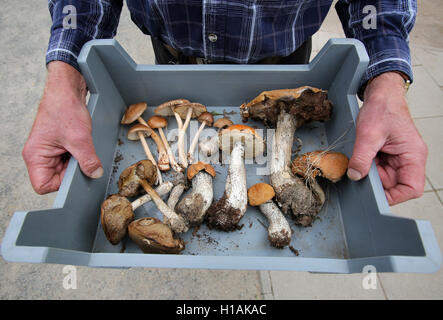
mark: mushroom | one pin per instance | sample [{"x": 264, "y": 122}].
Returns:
[
  {"x": 206, "y": 119},
  {"x": 210, "y": 146},
  {"x": 167, "y": 109},
  {"x": 153, "y": 236},
  {"x": 117, "y": 212},
  {"x": 157, "y": 122},
  {"x": 143, "y": 174},
  {"x": 195, "y": 204},
  {"x": 139, "y": 132},
  {"x": 327, "y": 164},
  {"x": 226, "y": 213},
  {"x": 186, "y": 111},
  {"x": 279, "y": 231},
  {"x": 287, "y": 110}
]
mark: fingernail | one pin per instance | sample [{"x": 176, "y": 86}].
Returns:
[
  {"x": 97, "y": 173},
  {"x": 353, "y": 174}
]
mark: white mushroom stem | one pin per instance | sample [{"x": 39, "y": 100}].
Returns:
[
  {"x": 176, "y": 222},
  {"x": 150, "y": 156},
  {"x": 194, "y": 205},
  {"x": 291, "y": 192},
  {"x": 175, "y": 195},
  {"x": 175, "y": 166},
  {"x": 161, "y": 190},
  {"x": 279, "y": 231},
  {"x": 236, "y": 189},
  {"x": 194, "y": 143},
  {"x": 181, "y": 139}
]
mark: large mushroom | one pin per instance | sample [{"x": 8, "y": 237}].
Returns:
[
  {"x": 140, "y": 132},
  {"x": 194, "y": 205},
  {"x": 206, "y": 119},
  {"x": 157, "y": 122},
  {"x": 241, "y": 141},
  {"x": 279, "y": 231},
  {"x": 142, "y": 174},
  {"x": 186, "y": 111},
  {"x": 330, "y": 165},
  {"x": 116, "y": 212},
  {"x": 153, "y": 236},
  {"x": 287, "y": 110},
  {"x": 211, "y": 145}
]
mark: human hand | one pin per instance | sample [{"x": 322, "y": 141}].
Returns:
[
  {"x": 386, "y": 133},
  {"x": 61, "y": 128}
]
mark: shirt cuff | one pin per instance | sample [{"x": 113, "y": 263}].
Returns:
[
  {"x": 65, "y": 45},
  {"x": 387, "y": 53}
]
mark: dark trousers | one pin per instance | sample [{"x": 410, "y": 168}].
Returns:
[{"x": 165, "y": 55}]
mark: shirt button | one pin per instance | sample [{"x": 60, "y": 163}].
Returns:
[{"x": 212, "y": 37}]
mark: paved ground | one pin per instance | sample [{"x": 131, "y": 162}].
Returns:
[{"x": 22, "y": 76}]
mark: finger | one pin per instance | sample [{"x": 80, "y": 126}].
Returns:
[
  {"x": 410, "y": 185},
  {"x": 82, "y": 149},
  {"x": 368, "y": 142},
  {"x": 46, "y": 177}
]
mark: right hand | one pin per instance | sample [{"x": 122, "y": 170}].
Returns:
[{"x": 62, "y": 127}]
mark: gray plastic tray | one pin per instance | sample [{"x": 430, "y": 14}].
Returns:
[{"x": 355, "y": 229}]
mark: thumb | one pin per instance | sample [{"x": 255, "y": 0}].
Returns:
[
  {"x": 83, "y": 150},
  {"x": 368, "y": 142}
]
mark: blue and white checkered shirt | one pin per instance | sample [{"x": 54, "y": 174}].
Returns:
[{"x": 239, "y": 31}]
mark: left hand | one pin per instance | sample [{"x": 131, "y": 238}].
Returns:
[{"x": 386, "y": 133}]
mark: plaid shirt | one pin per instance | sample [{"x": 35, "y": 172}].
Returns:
[{"x": 238, "y": 31}]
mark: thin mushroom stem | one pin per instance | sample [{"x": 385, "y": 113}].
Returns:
[
  {"x": 163, "y": 160},
  {"x": 181, "y": 140},
  {"x": 175, "y": 166},
  {"x": 175, "y": 195},
  {"x": 161, "y": 190},
  {"x": 171, "y": 218},
  {"x": 149, "y": 155},
  {"x": 194, "y": 143}
]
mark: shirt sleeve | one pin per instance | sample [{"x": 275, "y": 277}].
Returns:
[
  {"x": 386, "y": 36},
  {"x": 75, "y": 22}
]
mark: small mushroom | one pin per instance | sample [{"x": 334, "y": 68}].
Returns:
[
  {"x": 279, "y": 231},
  {"x": 117, "y": 212},
  {"x": 194, "y": 205},
  {"x": 226, "y": 213},
  {"x": 157, "y": 122},
  {"x": 186, "y": 111},
  {"x": 139, "y": 132},
  {"x": 327, "y": 164},
  {"x": 210, "y": 146},
  {"x": 166, "y": 109},
  {"x": 142, "y": 174},
  {"x": 206, "y": 119},
  {"x": 287, "y": 110},
  {"x": 153, "y": 236}
]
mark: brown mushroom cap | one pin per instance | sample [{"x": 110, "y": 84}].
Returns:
[
  {"x": 133, "y": 112},
  {"x": 260, "y": 193},
  {"x": 116, "y": 214},
  {"x": 305, "y": 104},
  {"x": 157, "y": 122},
  {"x": 182, "y": 109},
  {"x": 153, "y": 236},
  {"x": 327, "y": 164},
  {"x": 206, "y": 117},
  {"x": 223, "y": 122},
  {"x": 195, "y": 168},
  {"x": 253, "y": 143},
  {"x": 166, "y": 108},
  {"x": 129, "y": 180},
  {"x": 133, "y": 131}
]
